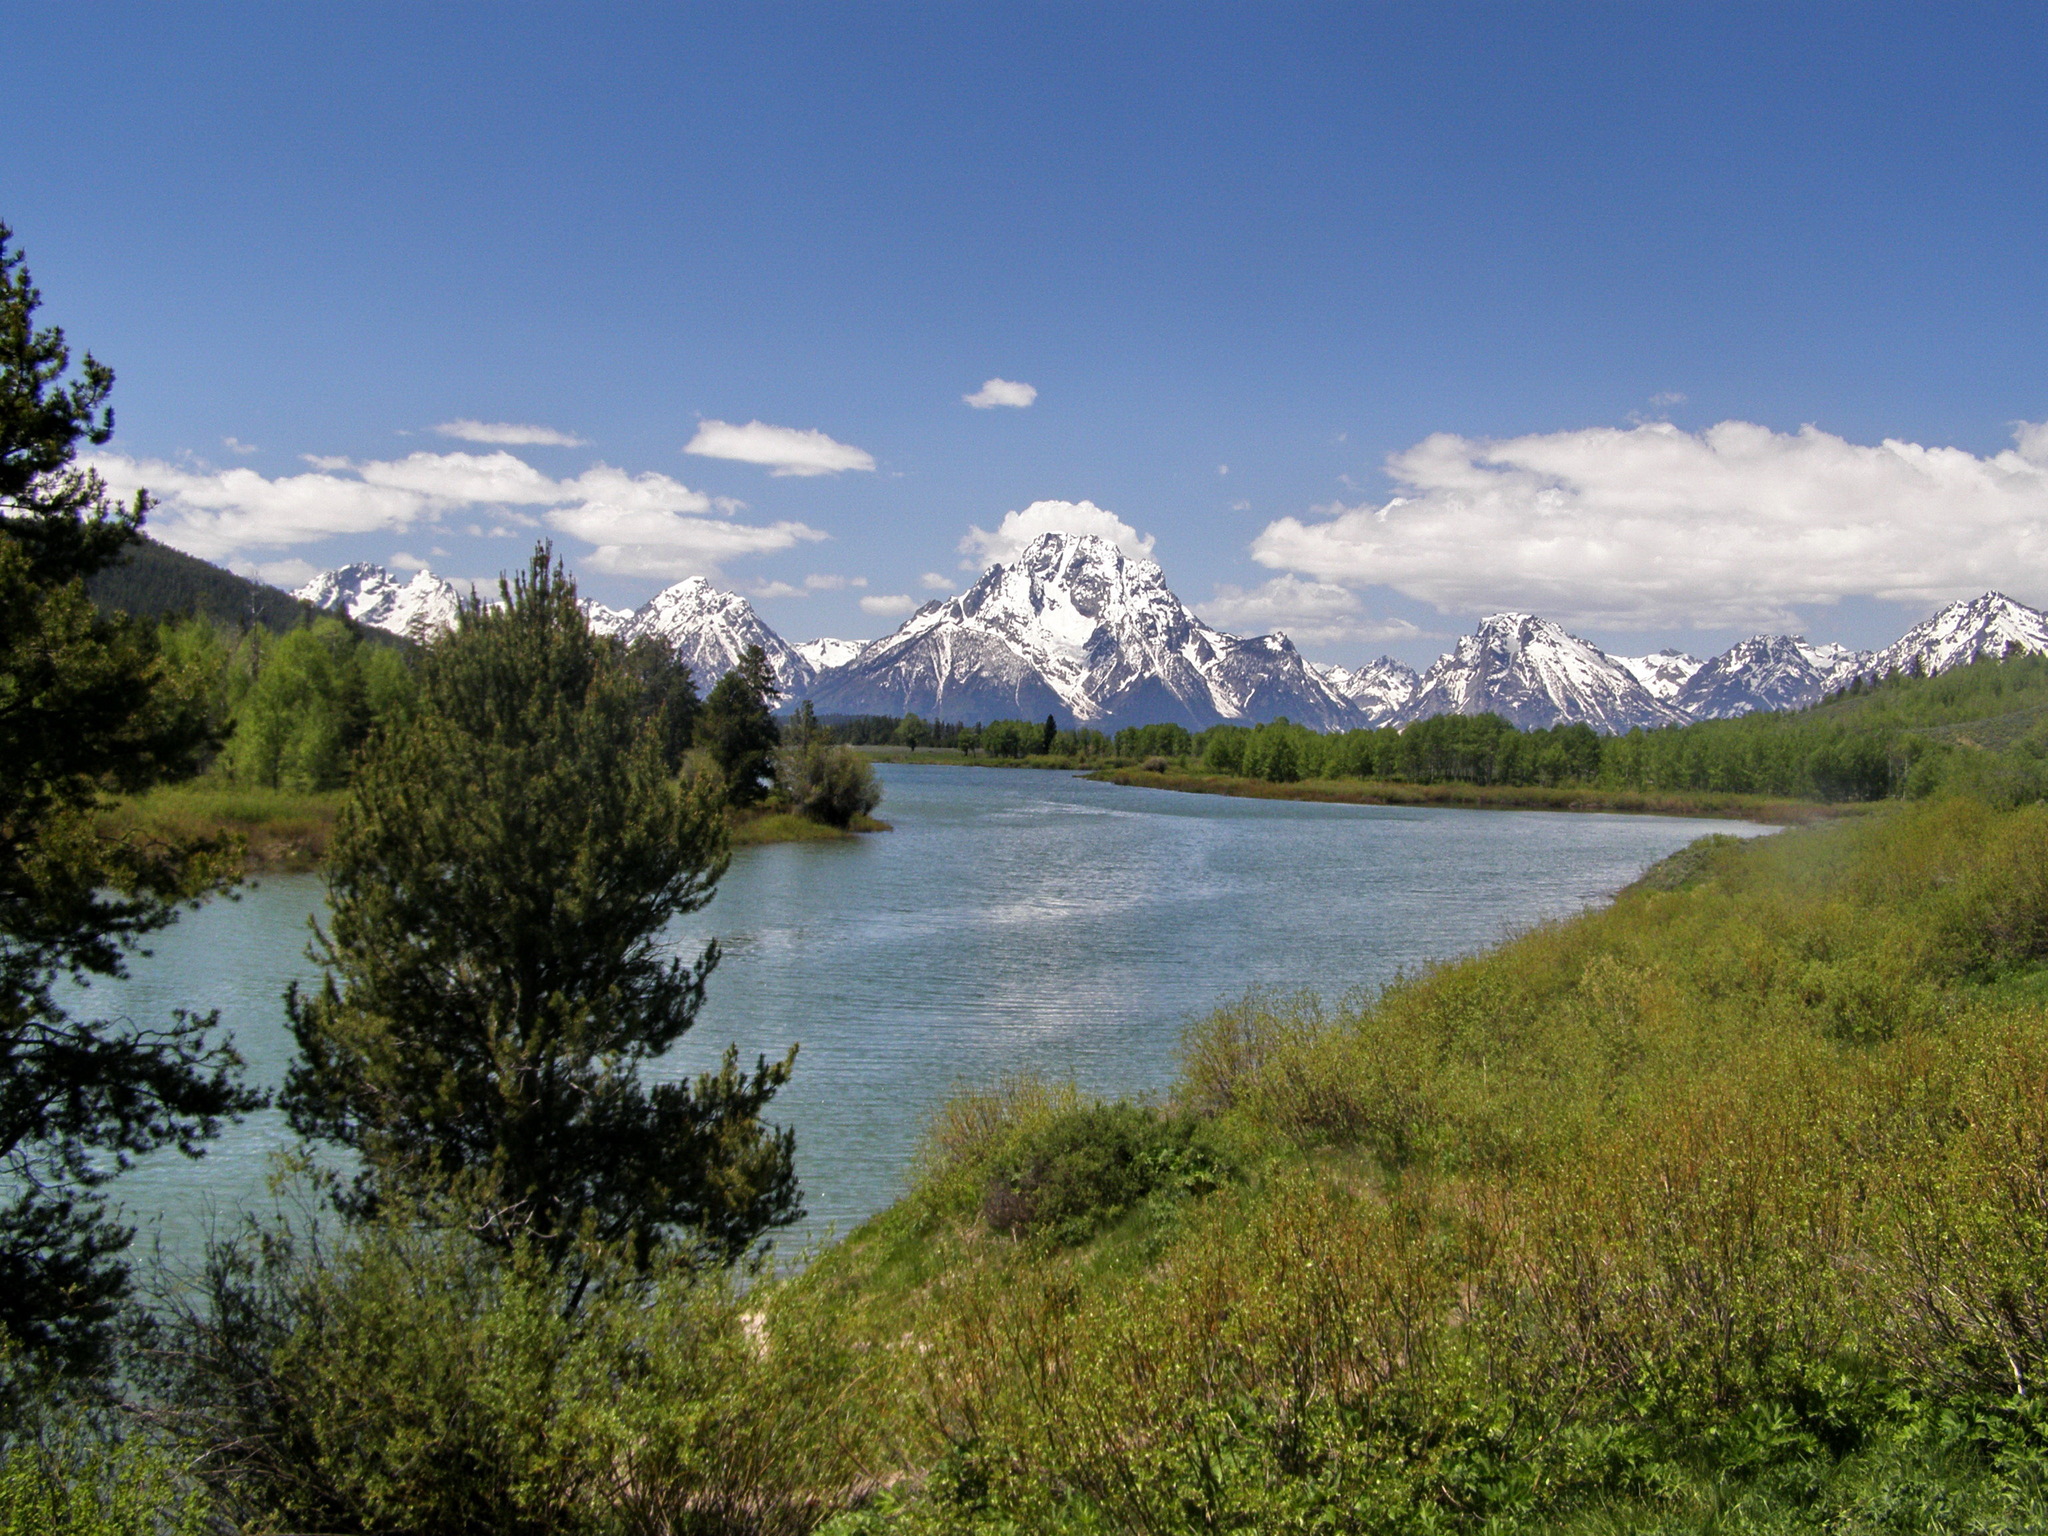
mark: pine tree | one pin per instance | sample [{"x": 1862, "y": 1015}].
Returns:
[
  {"x": 737, "y": 728},
  {"x": 85, "y": 707},
  {"x": 501, "y": 878}
]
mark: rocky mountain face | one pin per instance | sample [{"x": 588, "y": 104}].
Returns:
[
  {"x": 1531, "y": 672},
  {"x": 1076, "y": 629},
  {"x": 418, "y": 609}
]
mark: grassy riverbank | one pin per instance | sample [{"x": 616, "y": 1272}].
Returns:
[
  {"x": 1725, "y": 1208},
  {"x": 286, "y": 830},
  {"x": 1529, "y": 797}
]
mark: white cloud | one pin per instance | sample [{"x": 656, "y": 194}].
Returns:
[
  {"x": 212, "y": 513},
  {"x": 288, "y": 573},
  {"x": 889, "y": 606},
  {"x": 401, "y": 561},
  {"x": 932, "y": 581},
  {"x": 1316, "y": 612},
  {"x": 643, "y": 541},
  {"x": 236, "y": 445},
  {"x": 642, "y": 524},
  {"x": 765, "y": 589},
  {"x": 511, "y": 433},
  {"x": 997, "y": 392},
  {"x": 1020, "y": 528},
  {"x": 1667, "y": 397},
  {"x": 1651, "y": 527},
  {"x": 785, "y": 450}
]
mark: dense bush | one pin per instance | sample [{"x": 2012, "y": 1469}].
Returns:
[
  {"x": 1081, "y": 1170},
  {"x": 414, "y": 1380},
  {"x": 830, "y": 784}
]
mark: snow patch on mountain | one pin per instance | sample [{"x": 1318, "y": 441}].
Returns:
[
  {"x": 824, "y": 655},
  {"x": 607, "y": 621},
  {"x": 1662, "y": 673},
  {"x": 418, "y": 609}
]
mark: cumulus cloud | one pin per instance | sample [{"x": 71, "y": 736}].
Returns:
[
  {"x": 1317, "y": 612},
  {"x": 642, "y": 541},
  {"x": 818, "y": 582},
  {"x": 646, "y": 524},
  {"x": 214, "y": 512},
  {"x": 932, "y": 581},
  {"x": 1652, "y": 527},
  {"x": 1018, "y": 529},
  {"x": 785, "y": 450},
  {"x": 236, "y": 445},
  {"x": 889, "y": 606},
  {"x": 511, "y": 433},
  {"x": 995, "y": 392}
]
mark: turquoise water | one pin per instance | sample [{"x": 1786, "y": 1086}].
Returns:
[{"x": 1012, "y": 921}]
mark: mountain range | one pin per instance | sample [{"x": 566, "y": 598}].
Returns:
[{"x": 1075, "y": 628}]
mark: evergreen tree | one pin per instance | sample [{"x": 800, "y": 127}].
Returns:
[
  {"x": 1051, "y": 735},
  {"x": 501, "y": 878},
  {"x": 85, "y": 707},
  {"x": 668, "y": 693},
  {"x": 737, "y": 727}
]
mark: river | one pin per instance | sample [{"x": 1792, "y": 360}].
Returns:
[{"x": 1013, "y": 921}]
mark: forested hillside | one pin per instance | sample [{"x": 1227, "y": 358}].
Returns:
[{"x": 154, "y": 581}]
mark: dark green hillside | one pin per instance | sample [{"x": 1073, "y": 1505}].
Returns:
[{"x": 154, "y": 581}]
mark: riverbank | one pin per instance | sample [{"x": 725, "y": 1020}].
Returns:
[
  {"x": 287, "y": 831},
  {"x": 1498, "y": 797}
]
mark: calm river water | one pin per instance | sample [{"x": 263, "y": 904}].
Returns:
[{"x": 1013, "y": 921}]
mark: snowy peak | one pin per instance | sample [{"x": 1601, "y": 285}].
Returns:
[
  {"x": 1963, "y": 632},
  {"x": 1531, "y": 672},
  {"x": 1379, "y": 690},
  {"x": 1766, "y": 672},
  {"x": 1075, "y": 628},
  {"x": 418, "y": 609},
  {"x": 710, "y": 628}
]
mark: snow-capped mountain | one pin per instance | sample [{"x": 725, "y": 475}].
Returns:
[
  {"x": 1531, "y": 672},
  {"x": 369, "y": 594},
  {"x": 709, "y": 628},
  {"x": 1964, "y": 632},
  {"x": 1766, "y": 672},
  {"x": 1662, "y": 673},
  {"x": 823, "y": 655},
  {"x": 1379, "y": 690},
  {"x": 1076, "y": 629}
]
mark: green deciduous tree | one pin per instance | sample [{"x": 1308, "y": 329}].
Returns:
[
  {"x": 86, "y": 707},
  {"x": 737, "y": 728},
  {"x": 501, "y": 878}
]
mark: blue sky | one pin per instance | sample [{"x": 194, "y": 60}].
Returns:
[{"x": 1623, "y": 300}]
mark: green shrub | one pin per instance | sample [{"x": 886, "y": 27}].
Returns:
[
  {"x": 828, "y": 784},
  {"x": 1080, "y": 1171}
]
